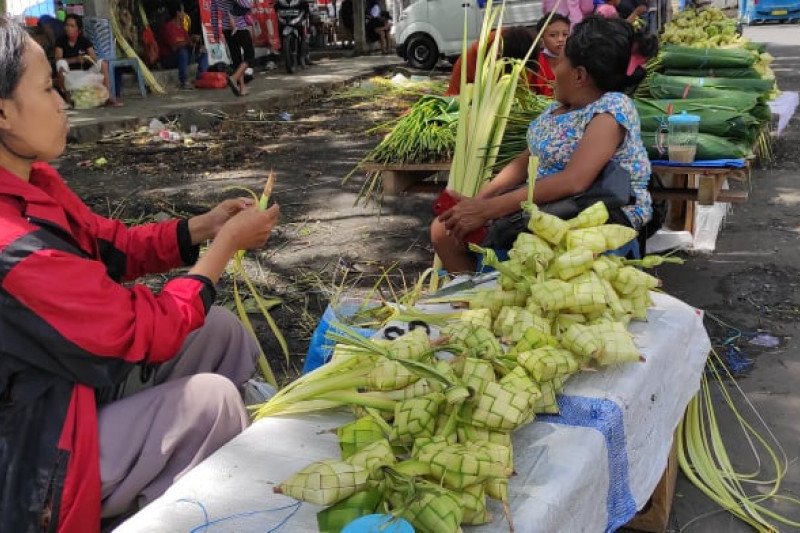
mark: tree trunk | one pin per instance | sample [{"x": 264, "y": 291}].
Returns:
[{"x": 359, "y": 31}]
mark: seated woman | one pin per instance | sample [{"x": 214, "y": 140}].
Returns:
[
  {"x": 110, "y": 392},
  {"x": 517, "y": 40},
  {"x": 591, "y": 124},
  {"x": 549, "y": 50},
  {"x": 75, "y": 52}
]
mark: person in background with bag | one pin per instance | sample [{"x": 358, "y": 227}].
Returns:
[
  {"x": 73, "y": 51},
  {"x": 591, "y": 125},
  {"x": 235, "y": 19},
  {"x": 178, "y": 49},
  {"x": 110, "y": 391}
]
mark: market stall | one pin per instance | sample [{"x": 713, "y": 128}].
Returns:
[{"x": 588, "y": 469}]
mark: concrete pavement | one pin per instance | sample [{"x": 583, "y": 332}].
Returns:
[
  {"x": 751, "y": 283},
  {"x": 267, "y": 91}
]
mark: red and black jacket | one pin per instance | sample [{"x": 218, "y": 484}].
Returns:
[{"x": 68, "y": 328}]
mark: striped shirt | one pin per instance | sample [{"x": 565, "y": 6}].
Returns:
[{"x": 221, "y": 15}]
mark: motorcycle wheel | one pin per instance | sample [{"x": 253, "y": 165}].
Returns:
[{"x": 290, "y": 48}]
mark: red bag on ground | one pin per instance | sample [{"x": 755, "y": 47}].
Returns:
[{"x": 211, "y": 80}]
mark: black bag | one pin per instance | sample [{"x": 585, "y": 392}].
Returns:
[{"x": 612, "y": 187}]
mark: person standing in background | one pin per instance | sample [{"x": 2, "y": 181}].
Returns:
[{"x": 234, "y": 17}]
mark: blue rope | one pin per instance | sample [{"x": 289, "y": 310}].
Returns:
[{"x": 207, "y": 523}]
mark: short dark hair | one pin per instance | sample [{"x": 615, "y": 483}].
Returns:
[
  {"x": 603, "y": 47},
  {"x": 517, "y": 40},
  {"x": 557, "y": 17},
  {"x": 78, "y": 20},
  {"x": 13, "y": 41}
]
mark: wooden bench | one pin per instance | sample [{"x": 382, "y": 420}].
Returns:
[
  {"x": 703, "y": 185},
  {"x": 400, "y": 178}
]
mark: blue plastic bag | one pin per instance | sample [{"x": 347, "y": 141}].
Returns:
[{"x": 319, "y": 347}]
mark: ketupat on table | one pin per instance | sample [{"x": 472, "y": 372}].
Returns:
[{"x": 589, "y": 469}]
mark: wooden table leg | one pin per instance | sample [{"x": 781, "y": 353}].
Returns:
[
  {"x": 676, "y": 209},
  {"x": 396, "y": 182},
  {"x": 707, "y": 189}
]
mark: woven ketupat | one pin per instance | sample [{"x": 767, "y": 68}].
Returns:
[
  {"x": 512, "y": 323},
  {"x": 594, "y": 215},
  {"x": 617, "y": 235},
  {"x": 356, "y": 434},
  {"x": 617, "y": 343},
  {"x": 477, "y": 373},
  {"x": 548, "y": 227},
  {"x": 468, "y": 433},
  {"x": 473, "y": 501},
  {"x": 589, "y": 296},
  {"x": 390, "y": 375},
  {"x": 476, "y": 341},
  {"x": 373, "y": 457},
  {"x": 413, "y": 345},
  {"x": 630, "y": 280},
  {"x": 433, "y": 510},
  {"x": 477, "y": 317},
  {"x": 531, "y": 250},
  {"x": 458, "y": 466},
  {"x": 606, "y": 267},
  {"x": 416, "y": 418},
  {"x": 502, "y": 408},
  {"x": 325, "y": 482},
  {"x": 548, "y": 363},
  {"x": 547, "y": 403},
  {"x": 572, "y": 263},
  {"x": 581, "y": 340},
  {"x": 552, "y": 295},
  {"x": 418, "y": 388},
  {"x": 591, "y": 239},
  {"x": 532, "y": 339}
]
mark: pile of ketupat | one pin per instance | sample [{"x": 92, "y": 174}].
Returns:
[
  {"x": 433, "y": 435},
  {"x": 701, "y": 28}
]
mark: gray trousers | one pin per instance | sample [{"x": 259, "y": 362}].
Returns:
[{"x": 190, "y": 406}]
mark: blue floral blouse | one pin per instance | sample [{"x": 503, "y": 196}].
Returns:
[{"x": 554, "y": 138}]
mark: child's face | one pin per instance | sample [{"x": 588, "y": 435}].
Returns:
[{"x": 555, "y": 37}]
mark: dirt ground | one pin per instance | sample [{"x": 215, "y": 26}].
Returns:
[{"x": 324, "y": 244}]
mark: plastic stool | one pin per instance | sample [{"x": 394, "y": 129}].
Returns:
[
  {"x": 132, "y": 63},
  {"x": 99, "y": 32}
]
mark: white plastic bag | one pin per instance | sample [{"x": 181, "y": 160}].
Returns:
[{"x": 86, "y": 88}]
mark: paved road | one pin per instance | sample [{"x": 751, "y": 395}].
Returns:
[{"x": 750, "y": 282}]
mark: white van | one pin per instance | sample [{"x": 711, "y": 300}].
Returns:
[{"x": 428, "y": 30}]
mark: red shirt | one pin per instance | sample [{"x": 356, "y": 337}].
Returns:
[
  {"x": 544, "y": 77},
  {"x": 171, "y": 37}
]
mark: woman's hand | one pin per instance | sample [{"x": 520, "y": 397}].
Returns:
[
  {"x": 249, "y": 228},
  {"x": 206, "y": 226},
  {"x": 466, "y": 216}
]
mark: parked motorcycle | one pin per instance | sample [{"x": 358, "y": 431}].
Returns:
[{"x": 293, "y": 20}]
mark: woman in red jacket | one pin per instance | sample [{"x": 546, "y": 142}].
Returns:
[{"x": 108, "y": 392}]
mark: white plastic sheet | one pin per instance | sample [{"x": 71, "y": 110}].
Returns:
[{"x": 571, "y": 478}]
